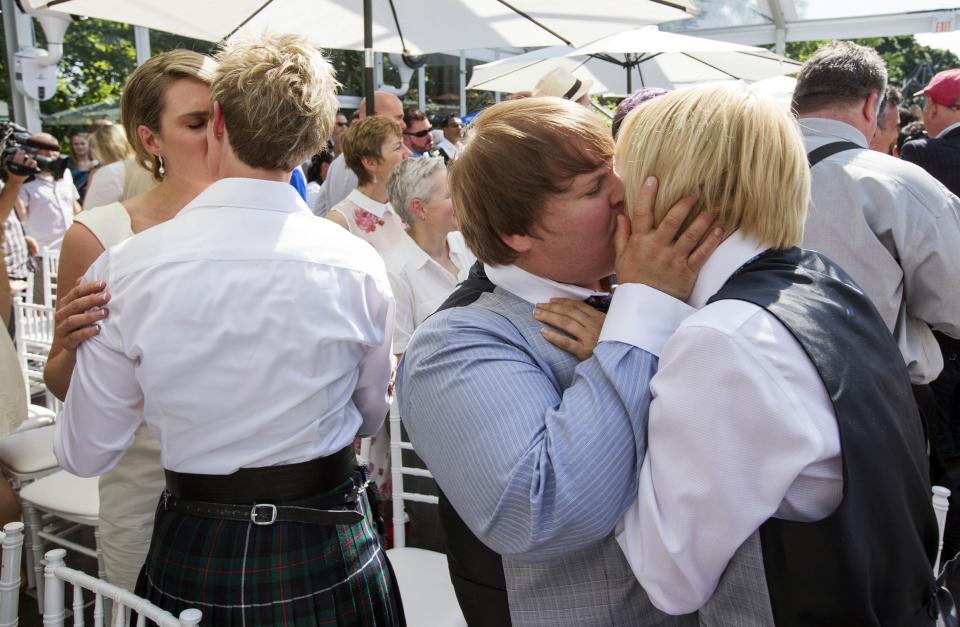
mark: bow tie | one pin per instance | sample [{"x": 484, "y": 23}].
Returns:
[{"x": 600, "y": 303}]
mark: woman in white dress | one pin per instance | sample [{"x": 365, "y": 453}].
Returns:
[
  {"x": 431, "y": 258},
  {"x": 372, "y": 148},
  {"x": 164, "y": 111}
]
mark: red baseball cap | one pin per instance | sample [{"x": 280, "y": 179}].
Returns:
[{"x": 944, "y": 88}]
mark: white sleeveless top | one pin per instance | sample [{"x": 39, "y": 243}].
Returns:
[
  {"x": 128, "y": 493},
  {"x": 372, "y": 221}
]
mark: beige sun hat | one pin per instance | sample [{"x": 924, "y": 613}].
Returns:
[{"x": 560, "y": 83}]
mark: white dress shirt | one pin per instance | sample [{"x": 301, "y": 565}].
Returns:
[
  {"x": 896, "y": 230},
  {"x": 49, "y": 205},
  {"x": 452, "y": 150},
  {"x": 741, "y": 429},
  {"x": 339, "y": 183},
  {"x": 420, "y": 284},
  {"x": 375, "y": 222},
  {"x": 246, "y": 332}
]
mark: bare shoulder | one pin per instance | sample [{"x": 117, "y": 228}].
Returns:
[
  {"x": 79, "y": 250},
  {"x": 335, "y": 216}
]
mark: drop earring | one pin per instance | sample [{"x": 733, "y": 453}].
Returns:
[{"x": 160, "y": 169}]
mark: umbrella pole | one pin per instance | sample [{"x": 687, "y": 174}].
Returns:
[{"x": 368, "y": 86}]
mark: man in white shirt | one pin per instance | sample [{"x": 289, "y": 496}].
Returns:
[
  {"x": 449, "y": 146},
  {"x": 340, "y": 179},
  {"x": 46, "y": 205},
  {"x": 213, "y": 340},
  {"x": 782, "y": 420}
]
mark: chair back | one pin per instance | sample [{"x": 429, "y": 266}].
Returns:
[
  {"x": 941, "y": 504},
  {"x": 56, "y": 574},
  {"x": 51, "y": 265},
  {"x": 397, "y": 471},
  {"x": 35, "y": 325},
  {"x": 12, "y": 539}
]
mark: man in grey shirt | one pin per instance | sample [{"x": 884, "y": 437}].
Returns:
[{"x": 888, "y": 223}]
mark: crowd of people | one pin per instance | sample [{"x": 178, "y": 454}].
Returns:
[{"x": 699, "y": 368}]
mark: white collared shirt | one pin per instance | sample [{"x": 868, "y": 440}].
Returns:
[
  {"x": 948, "y": 129},
  {"x": 452, "y": 150},
  {"x": 420, "y": 284},
  {"x": 245, "y": 331},
  {"x": 741, "y": 429},
  {"x": 49, "y": 205},
  {"x": 375, "y": 222}
]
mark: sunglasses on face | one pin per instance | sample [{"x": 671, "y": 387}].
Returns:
[{"x": 422, "y": 133}]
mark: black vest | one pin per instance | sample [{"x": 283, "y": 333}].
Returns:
[
  {"x": 869, "y": 562},
  {"x": 476, "y": 571}
]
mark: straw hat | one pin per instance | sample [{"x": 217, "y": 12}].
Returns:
[{"x": 560, "y": 83}]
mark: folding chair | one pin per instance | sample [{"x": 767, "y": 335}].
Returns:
[
  {"x": 51, "y": 265},
  {"x": 57, "y": 574},
  {"x": 35, "y": 324},
  {"x": 423, "y": 576}
]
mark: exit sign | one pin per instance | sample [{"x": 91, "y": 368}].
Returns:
[{"x": 943, "y": 23}]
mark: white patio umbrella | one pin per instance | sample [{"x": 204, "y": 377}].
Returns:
[
  {"x": 401, "y": 26},
  {"x": 641, "y": 57},
  {"x": 405, "y": 26}
]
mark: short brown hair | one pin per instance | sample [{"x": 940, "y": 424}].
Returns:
[
  {"x": 839, "y": 73},
  {"x": 278, "y": 96},
  {"x": 143, "y": 96},
  {"x": 364, "y": 140},
  {"x": 519, "y": 153},
  {"x": 412, "y": 115}
]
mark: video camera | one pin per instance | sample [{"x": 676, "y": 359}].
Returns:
[{"x": 14, "y": 137}]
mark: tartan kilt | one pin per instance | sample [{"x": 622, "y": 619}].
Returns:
[{"x": 287, "y": 573}]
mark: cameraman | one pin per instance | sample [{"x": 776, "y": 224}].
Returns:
[
  {"x": 46, "y": 204},
  {"x": 17, "y": 247}
]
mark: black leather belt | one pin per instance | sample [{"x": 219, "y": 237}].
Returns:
[{"x": 324, "y": 491}]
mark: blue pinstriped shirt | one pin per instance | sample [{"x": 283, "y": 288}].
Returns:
[{"x": 539, "y": 460}]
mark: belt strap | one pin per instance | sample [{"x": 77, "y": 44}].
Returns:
[
  {"x": 315, "y": 511},
  {"x": 827, "y": 150},
  {"x": 278, "y": 484}
]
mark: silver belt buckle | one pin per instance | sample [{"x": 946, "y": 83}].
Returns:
[{"x": 272, "y": 509}]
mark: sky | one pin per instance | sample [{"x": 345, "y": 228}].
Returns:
[{"x": 949, "y": 41}]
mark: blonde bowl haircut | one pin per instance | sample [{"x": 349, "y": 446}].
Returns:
[
  {"x": 364, "y": 140},
  {"x": 278, "y": 96},
  {"x": 517, "y": 155},
  {"x": 143, "y": 95},
  {"x": 109, "y": 144},
  {"x": 734, "y": 146}
]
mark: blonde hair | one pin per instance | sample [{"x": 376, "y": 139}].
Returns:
[
  {"x": 109, "y": 144},
  {"x": 364, "y": 140},
  {"x": 518, "y": 154},
  {"x": 278, "y": 95},
  {"x": 143, "y": 96},
  {"x": 734, "y": 146}
]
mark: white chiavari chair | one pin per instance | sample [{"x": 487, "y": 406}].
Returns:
[
  {"x": 12, "y": 539},
  {"x": 57, "y": 575},
  {"x": 941, "y": 504},
  {"x": 51, "y": 265},
  {"x": 55, "y": 509},
  {"x": 35, "y": 324},
  {"x": 423, "y": 576}
]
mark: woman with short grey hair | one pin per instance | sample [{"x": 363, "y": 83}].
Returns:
[{"x": 429, "y": 261}]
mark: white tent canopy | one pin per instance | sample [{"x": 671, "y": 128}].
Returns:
[{"x": 763, "y": 22}]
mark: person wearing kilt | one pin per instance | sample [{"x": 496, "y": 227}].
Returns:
[{"x": 254, "y": 340}]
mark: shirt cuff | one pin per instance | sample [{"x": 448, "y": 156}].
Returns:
[{"x": 643, "y": 317}]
